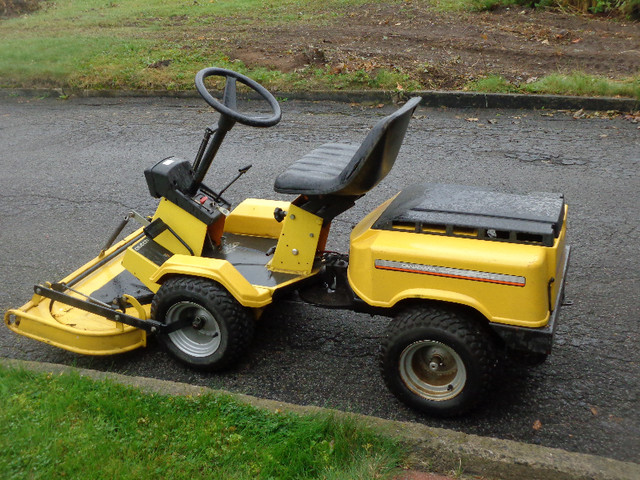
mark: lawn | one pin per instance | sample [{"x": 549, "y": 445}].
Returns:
[
  {"x": 68, "y": 426},
  {"x": 313, "y": 45}
]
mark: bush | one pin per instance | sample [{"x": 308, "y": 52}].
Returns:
[
  {"x": 628, "y": 8},
  {"x": 621, "y": 8}
]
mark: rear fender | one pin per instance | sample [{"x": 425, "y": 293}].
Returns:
[{"x": 440, "y": 296}]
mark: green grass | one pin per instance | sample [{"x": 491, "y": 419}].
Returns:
[
  {"x": 67, "y": 426},
  {"x": 583, "y": 84},
  {"x": 558, "y": 84},
  {"x": 107, "y": 44},
  {"x": 492, "y": 84}
]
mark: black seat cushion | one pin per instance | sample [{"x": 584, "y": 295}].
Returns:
[
  {"x": 317, "y": 172},
  {"x": 349, "y": 170}
]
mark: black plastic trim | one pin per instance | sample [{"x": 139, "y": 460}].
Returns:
[
  {"x": 535, "y": 340},
  {"x": 149, "y": 325}
]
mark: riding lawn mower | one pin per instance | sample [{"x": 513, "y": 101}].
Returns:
[{"x": 468, "y": 275}]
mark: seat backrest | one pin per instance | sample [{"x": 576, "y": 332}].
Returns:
[{"x": 378, "y": 152}]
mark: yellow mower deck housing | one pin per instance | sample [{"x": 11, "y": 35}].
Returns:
[{"x": 77, "y": 330}]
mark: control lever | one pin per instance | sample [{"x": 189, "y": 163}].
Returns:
[{"x": 241, "y": 172}]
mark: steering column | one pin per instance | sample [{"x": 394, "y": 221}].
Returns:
[{"x": 229, "y": 115}]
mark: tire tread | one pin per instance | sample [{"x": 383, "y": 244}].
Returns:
[
  {"x": 239, "y": 322},
  {"x": 452, "y": 322}
]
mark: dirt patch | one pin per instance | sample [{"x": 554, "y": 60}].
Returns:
[
  {"x": 11, "y": 8},
  {"x": 443, "y": 50}
]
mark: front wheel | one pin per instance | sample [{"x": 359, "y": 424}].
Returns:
[
  {"x": 436, "y": 360},
  {"x": 219, "y": 330}
]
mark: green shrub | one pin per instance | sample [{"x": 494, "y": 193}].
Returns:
[{"x": 622, "y": 8}]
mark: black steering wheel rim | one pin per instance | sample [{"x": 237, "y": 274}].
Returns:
[{"x": 252, "y": 121}]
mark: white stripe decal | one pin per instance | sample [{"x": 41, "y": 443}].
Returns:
[{"x": 451, "y": 272}]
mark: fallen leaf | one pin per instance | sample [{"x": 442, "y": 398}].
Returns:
[
  {"x": 369, "y": 66},
  {"x": 576, "y": 40},
  {"x": 492, "y": 121},
  {"x": 471, "y": 119},
  {"x": 537, "y": 425},
  {"x": 594, "y": 411},
  {"x": 545, "y": 42},
  {"x": 339, "y": 68}
]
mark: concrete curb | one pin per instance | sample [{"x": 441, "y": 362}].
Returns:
[
  {"x": 431, "y": 449},
  {"x": 431, "y": 98}
]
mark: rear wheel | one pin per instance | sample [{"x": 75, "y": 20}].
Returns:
[
  {"x": 437, "y": 361},
  {"x": 220, "y": 328}
]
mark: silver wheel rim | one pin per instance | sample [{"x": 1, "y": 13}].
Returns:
[
  {"x": 202, "y": 338},
  {"x": 432, "y": 370}
]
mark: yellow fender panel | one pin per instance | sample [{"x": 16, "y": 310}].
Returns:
[{"x": 220, "y": 271}]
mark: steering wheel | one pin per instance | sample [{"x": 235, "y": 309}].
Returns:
[{"x": 228, "y": 105}]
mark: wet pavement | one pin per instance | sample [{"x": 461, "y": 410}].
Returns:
[{"x": 71, "y": 169}]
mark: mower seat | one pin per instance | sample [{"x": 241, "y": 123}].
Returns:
[{"x": 349, "y": 170}]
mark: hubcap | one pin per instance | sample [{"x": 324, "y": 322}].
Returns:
[
  {"x": 202, "y": 338},
  {"x": 432, "y": 370}
]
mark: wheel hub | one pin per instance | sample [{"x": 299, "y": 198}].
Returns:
[
  {"x": 202, "y": 337},
  {"x": 199, "y": 322},
  {"x": 432, "y": 370},
  {"x": 436, "y": 363}
]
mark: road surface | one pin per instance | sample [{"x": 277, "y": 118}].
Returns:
[{"x": 71, "y": 169}]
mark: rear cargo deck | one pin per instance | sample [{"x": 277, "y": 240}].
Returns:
[{"x": 465, "y": 211}]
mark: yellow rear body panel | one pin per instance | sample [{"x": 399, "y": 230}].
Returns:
[{"x": 508, "y": 283}]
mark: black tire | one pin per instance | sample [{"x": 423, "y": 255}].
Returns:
[
  {"x": 222, "y": 328},
  {"x": 438, "y": 361}
]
